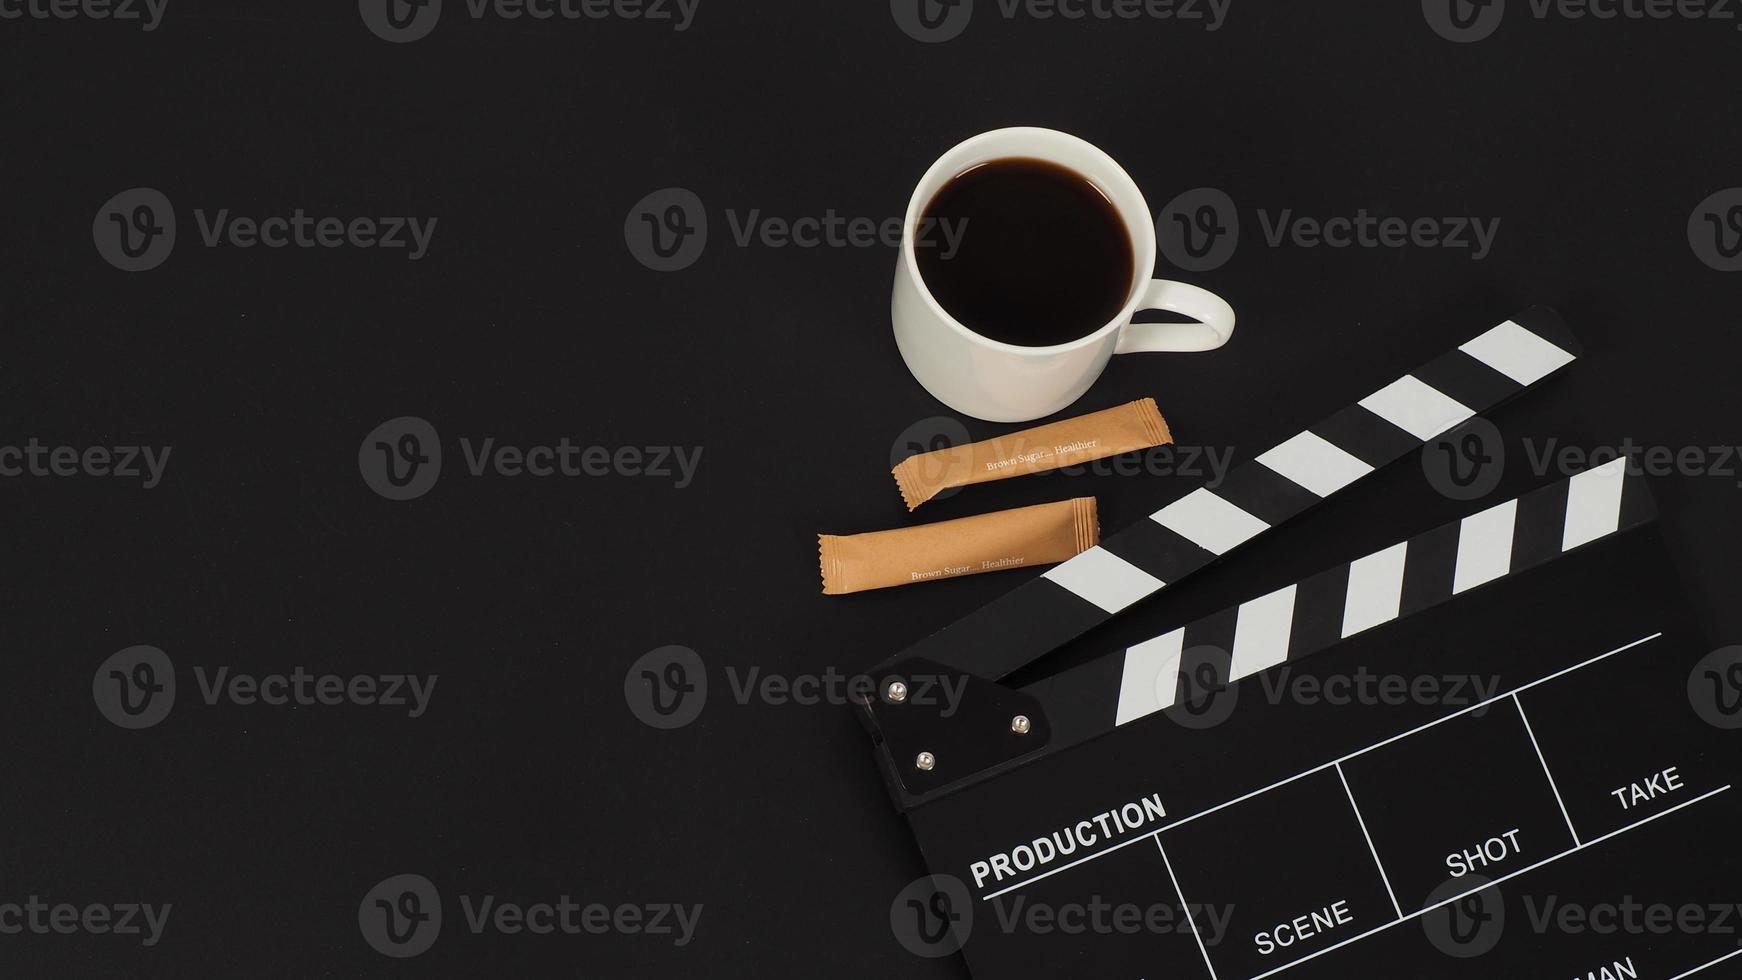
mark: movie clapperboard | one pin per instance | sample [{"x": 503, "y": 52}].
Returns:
[{"x": 1164, "y": 813}]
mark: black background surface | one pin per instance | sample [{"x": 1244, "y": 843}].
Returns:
[{"x": 529, "y": 321}]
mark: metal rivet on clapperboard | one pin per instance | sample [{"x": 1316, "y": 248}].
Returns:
[
  {"x": 1021, "y": 725},
  {"x": 897, "y": 691},
  {"x": 926, "y": 762}
]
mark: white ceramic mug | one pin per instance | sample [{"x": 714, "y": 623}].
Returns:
[{"x": 1001, "y": 382}]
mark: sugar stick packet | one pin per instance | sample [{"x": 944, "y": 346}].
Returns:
[
  {"x": 1019, "y": 538},
  {"x": 1129, "y": 427}
]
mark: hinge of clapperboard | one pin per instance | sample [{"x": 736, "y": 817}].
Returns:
[{"x": 992, "y": 728}]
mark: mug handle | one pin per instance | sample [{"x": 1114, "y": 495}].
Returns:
[{"x": 1214, "y": 327}]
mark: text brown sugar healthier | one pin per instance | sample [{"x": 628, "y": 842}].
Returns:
[{"x": 1127, "y": 428}]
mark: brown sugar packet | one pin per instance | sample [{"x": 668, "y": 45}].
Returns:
[
  {"x": 1129, "y": 427},
  {"x": 1019, "y": 538}
]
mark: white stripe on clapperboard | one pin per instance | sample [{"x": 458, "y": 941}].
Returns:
[
  {"x": 1310, "y": 461},
  {"x": 1105, "y": 579},
  {"x": 1316, "y": 464},
  {"x": 1416, "y": 407},
  {"x": 1334, "y": 763},
  {"x": 1375, "y": 590},
  {"x": 1517, "y": 353},
  {"x": 1485, "y": 546},
  {"x": 1150, "y": 680}
]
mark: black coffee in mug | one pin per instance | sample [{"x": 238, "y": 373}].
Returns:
[{"x": 1036, "y": 255}]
